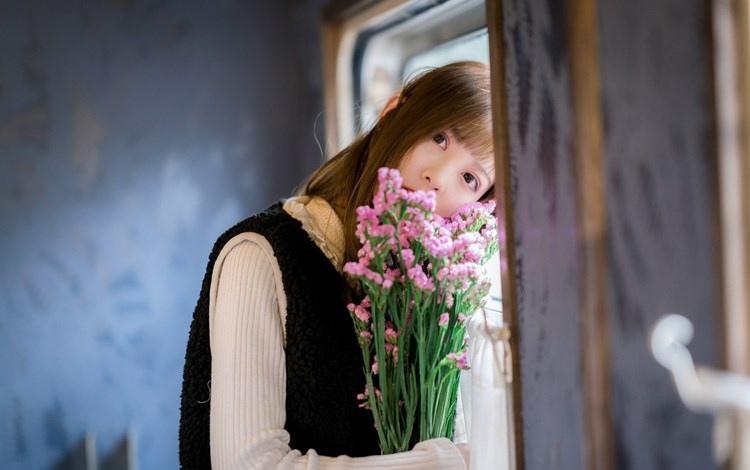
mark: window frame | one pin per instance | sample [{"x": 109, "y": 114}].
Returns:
[
  {"x": 342, "y": 19},
  {"x": 356, "y": 37}
]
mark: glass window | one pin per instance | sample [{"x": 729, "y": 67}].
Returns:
[
  {"x": 386, "y": 49},
  {"x": 472, "y": 46}
]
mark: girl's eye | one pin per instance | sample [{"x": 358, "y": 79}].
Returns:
[
  {"x": 441, "y": 140},
  {"x": 471, "y": 180}
]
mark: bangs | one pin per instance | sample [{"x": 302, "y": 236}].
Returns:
[{"x": 476, "y": 136}]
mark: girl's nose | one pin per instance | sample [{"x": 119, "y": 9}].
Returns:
[{"x": 433, "y": 179}]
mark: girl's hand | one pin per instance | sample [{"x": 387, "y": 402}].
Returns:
[{"x": 463, "y": 447}]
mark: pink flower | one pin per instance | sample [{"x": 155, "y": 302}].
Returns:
[
  {"x": 362, "y": 271},
  {"x": 439, "y": 246},
  {"x": 391, "y": 335},
  {"x": 391, "y": 275},
  {"x": 420, "y": 279},
  {"x": 366, "y": 336},
  {"x": 473, "y": 254},
  {"x": 366, "y": 253},
  {"x": 406, "y": 247},
  {"x": 424, "y": 200},
  {"x": 461, "y": 360},
  {"x": 449, "y": 299},
  {"x": 365, "y": 395},
  {"x": 408, "y": 256},
  {"x": 367, "y": 214},
  {"x": 460, "y": 275},
  {"x": 392, "y": 349},
  {"x": 363, "y": 398},
  {"x": 386, "y": 195},
  {"x": 359, "y": 311}
]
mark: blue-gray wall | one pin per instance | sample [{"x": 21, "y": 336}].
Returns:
[{"x": 131, "y": 135}]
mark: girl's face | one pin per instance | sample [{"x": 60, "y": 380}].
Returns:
[{"x": 443, "y": 165}]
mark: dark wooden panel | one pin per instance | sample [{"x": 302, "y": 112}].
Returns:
[
  {"x": 661, "y": 197},
  {"x": 544, "y": 234}
]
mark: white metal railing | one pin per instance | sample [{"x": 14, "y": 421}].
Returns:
[{"x": 701, "y": 389}]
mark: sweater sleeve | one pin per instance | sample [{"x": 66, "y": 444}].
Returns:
[{"x": 248, "y": 377}]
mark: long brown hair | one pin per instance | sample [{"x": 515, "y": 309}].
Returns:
[{"x": 453, "y": 97}]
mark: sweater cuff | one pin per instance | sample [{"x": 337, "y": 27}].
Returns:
[{"x": 445, "y": 452}]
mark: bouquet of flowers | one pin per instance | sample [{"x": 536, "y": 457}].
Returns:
[{"x": 423, "y": 276}]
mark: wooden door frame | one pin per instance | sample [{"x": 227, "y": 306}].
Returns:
[
  {"x": 506, "y": 224},
  {"x": 731, "y": 41},
  {"x": 588, "y": 153}
]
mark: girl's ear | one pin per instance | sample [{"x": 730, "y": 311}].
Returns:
[{"x": 392, "y": 102}]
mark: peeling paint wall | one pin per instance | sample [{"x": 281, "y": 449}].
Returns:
[{"x": 131, "y": 135}]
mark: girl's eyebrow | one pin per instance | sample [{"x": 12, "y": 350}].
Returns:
[{"x": 480, "y": 168}]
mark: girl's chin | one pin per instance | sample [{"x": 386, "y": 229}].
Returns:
[{"x": 443, "y": 214}]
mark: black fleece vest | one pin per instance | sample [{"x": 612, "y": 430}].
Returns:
[{"x": 323, "y": 361}]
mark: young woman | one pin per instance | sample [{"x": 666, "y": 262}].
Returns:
[{"x": 273, "y": 367}]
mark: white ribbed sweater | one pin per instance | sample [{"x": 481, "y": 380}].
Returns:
[{"x": 247, "y": 313}]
